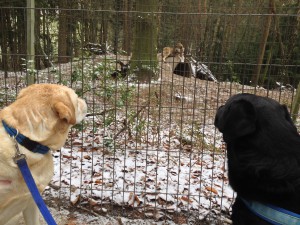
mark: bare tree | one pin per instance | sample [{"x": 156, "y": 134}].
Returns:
[
  {"x": 263, "y": 42},
  {"x": 62, "y": 32},
  {"x": 127, "y": 26}
]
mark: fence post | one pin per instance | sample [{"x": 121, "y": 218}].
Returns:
[{"x": 30, "y": 64}]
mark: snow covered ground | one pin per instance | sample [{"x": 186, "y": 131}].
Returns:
[{"x": 157, "y": 181}]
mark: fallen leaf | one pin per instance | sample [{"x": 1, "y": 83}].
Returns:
[
  {"x": 87, "y": 157},
  {"x": 68, "y": 156},
  {"x": 186, "y": 199},
  {"x": 98, "y": 181},
  {"x": 212, "y": 190}
]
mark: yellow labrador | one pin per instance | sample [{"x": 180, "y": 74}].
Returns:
[{"x": 43, "y": 113}]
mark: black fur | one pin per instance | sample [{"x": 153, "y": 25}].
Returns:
[{"x": 263, "y": 148}]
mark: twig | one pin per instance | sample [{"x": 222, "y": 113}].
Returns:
[
  {"x": 88, "y": 210},
  {"x": 127, "y": 122},
  {"x": 100, "y": 113}
]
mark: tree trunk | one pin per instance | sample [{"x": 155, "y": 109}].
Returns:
[
  {"x": 30, "y": 42},
  {"x": 207, "y": 36},
  {"x": 295, "y": 105},
  {"x": 144, "y": 55},
  {"x": 4, "y": 25},
  {"x": 214, "y": 40},
  {"x": 116, "y": 26},
  {"x": 38, "y": 47},
  {"x": 62, "y": 33},
  {"x": 185, "y": 33},
  {"x": 127, "y": 27},
  {"x": 286, "y": 51},
  {"x": 262, "y": 47},
  {"x": 202, "y": 17},
  {"x": 104, "y": 24}
]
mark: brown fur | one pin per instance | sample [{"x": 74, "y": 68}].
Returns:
[
  {"x": 178, "y": 50},
  {"x": 44, "y": 113}
]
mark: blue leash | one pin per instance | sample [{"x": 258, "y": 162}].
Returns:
[
  {"x": 272, "y": 214},
  {"x": 22, "y": 164}
]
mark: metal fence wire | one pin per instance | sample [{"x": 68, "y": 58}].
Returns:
[{"x": 149, "y": 150}]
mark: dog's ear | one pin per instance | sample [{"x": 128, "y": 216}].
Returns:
[
  {"x": 65, "y": 112},
  {"x": 236, "y": 120}
]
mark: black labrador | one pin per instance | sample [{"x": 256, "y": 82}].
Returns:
[{"x": 263, "y": 148}]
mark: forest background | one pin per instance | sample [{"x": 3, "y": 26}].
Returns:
[{"x": 244, "y": 41}]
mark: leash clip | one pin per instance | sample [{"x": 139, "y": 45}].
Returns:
[{"x": 18, "y": 156}]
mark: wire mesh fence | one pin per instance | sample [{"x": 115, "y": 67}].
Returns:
[{"x": 149, "y": 150}]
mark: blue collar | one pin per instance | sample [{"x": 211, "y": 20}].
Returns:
[
  {"x": 25, "y": 141},
  {"x": 272, "y": 214}
]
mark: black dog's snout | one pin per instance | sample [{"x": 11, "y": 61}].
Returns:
[{"x": 219, "y": 111}]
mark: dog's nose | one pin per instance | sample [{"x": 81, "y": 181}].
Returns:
[{"x": 217, "y": 117}]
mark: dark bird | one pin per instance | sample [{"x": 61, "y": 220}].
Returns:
[{"x": 122, "y": 72}]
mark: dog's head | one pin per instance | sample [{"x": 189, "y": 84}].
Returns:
[
  {"x": 250, "y": 115},
  {"x": 45, "y": 113},
  {"x": 179, "y": 49},
  {"x": 263, "y": 154},
  {"x": 262, "y": 147}
]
